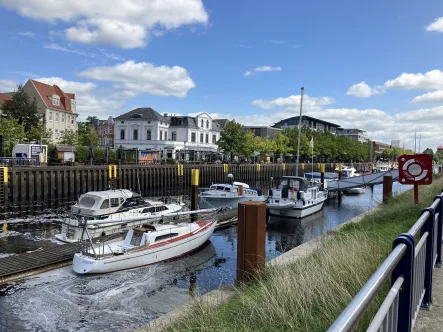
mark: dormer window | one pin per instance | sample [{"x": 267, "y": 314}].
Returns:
[
  {"x": 135, "y": 116},
  {"x": 55, "y": 100}
]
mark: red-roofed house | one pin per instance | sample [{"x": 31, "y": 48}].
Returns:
[
  {"x": 3, "y": 98},
  {"x": 57, "y": 106}
]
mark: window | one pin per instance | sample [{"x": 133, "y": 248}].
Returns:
[
  {"x": 174, "y": 135},
  {"x": 166, "y": 135},
  {"x": 56, "y": 116},
  {"x": 180, "y": 122},
  {"x": 50, "y": 116},
  {"x": 207, "y": 124},
  {"x": 207, "y": 138},
  {"x": 56, "y": 100},
  {"x": 148, "y": 135},
  {"x": 63, "y": 117},
  {"x": 202, "y": 123},
  {"x": 105, "y": 204},
  {"x": 87, "y": 202},
  {"x": 69, "y": 119},
  {"x": 114, "y": 202},
  {"x": 122, "y": 134},
  {"x": 122, "y": 122},
  {"x": 149, "y": 122},
  {"x": 193, "y": 137},
  {"x": 214, "y": 139},
  {"x": 56, "y": 133},
  {"x": 72, "y": 120},
  {"x": 161, "y": 135},
  {"x": 135, "y": 135},
  {"x": 201, "y": 138},
  {"x": 166, "y": 236}
]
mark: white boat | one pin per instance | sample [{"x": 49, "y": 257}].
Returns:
[
  {"x": 381, "y": 168},
  {"x": 295, "y": 197},
  {"x": 350, "y": 172},
  {"x": 314, "y": 178},
  {"x": 110, "y": 205},
  {"x": 145, "y": 245},
  {"x": 228, "y": 195}
]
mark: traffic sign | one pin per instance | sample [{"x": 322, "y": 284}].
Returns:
[{"x": 415, "y": 169}]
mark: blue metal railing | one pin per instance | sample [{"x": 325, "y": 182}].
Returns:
[{"x": 409, "y": 266}]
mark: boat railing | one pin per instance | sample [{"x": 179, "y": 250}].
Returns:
[{"x": 409, "y": 267}]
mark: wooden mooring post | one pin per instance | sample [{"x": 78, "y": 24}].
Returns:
[
  {"x": 387, "y": 188},
  {"x": 194, "y": 192},
  {"x": 251, "y": 236}
]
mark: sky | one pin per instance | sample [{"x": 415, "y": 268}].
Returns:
[{"x": 374, "y": 65}]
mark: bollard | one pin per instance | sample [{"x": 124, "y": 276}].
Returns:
[
  {"x": 251, "y": 239},
  {"x": 240, "y": 190},
  {"x": 387, "y": 188},
  {"x": 372, "y": 168},
  {"x": 322, "y": 176},
  {"x": 5, "y": 228},
  {"x": 194, "y": 192}
]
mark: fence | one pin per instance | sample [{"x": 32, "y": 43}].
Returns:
[{"x": 409, "y": 267}]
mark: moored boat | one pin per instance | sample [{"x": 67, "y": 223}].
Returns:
[
  {"x": 145, "y": 245},
  {"x": 350, "y": 172},
  {"x": 295, "y": 197},
  {"x": 110, "y": 205},
  {"x": 228, "y": 195}
]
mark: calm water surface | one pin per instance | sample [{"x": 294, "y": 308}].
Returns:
[{"x": 59, "y": 300}]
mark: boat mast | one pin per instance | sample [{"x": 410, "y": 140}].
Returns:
[{"x": 299, "y": 131}]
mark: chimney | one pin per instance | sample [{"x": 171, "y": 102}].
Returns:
[{"x": 165, "y": 115}]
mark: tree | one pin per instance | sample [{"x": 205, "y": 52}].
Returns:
[
  {"x": 22, "y": 109},
  {"x": 281, "y": 142},
  {"x": 38, "y": 132},
  {"x": 68, "y": 137},
  {"x": 231, "y": 138},
  {"x": 90, "y": 119},
  {"x": 13, "y": 133},
  {"x": 86, "y": 134},
  {"x": 429, "y": 151},
  {"x": 248, "y": 144}
]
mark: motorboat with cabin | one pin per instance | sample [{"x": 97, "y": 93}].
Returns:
[
  {"x": 110, "y": 205},
  {"x": 314, "y": 178},
  {"x": 350, "y": 172},
  {"x": 381, "y": 167},
  {"x": 228, "y": 195},
  {"x": 141, "y": 246},
  {"x": 295, "y": 197}
]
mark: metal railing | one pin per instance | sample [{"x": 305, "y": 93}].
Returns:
[
  {"x": 409, "y": 267},
  {"x": 12, "y": 161}
]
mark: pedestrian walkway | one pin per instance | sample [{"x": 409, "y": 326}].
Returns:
[{"x": 432, "y": 320}]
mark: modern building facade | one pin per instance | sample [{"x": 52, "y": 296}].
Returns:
[
  {"x": 309, "y": 122},
  {"x": 177, "y": 137},
  {"x": 379, "y": 147},
  {"x": 58, "y": 108},
  {"x": 263, "y": 131},
  {"x": 355, "y": 134}
]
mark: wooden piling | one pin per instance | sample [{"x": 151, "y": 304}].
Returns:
[
  {"x": 194, "y": 192},
  {"x": 387, "y": 188},
  {"x": 322, "y": 176},
  {"x": 251, "y": 239}
]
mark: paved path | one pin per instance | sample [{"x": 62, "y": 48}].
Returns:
[{"x": 432, "y": 320}]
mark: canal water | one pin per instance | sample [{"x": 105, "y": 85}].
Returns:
[{"x": 59, "y": 300}]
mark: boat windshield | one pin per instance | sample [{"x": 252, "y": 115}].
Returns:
[
  {"x": 219, "y": 188},
  {"x": 87, "y": 201},
  {"x": 289, "y": 183}
]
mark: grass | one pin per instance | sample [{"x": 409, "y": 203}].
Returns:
[{"x": 309, "y": 294}]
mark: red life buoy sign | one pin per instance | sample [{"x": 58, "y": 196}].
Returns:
[{"x": 415, "y": 169}]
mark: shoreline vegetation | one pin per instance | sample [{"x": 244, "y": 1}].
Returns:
[{"x": 310, "y": 293}]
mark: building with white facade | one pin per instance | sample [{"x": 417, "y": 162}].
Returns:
[
  {"x": 58, "y": 108},
  {"x": 182, "y": 137},
  {"x": 355, "y": 134},
  {"x": 310, "y": 122}
]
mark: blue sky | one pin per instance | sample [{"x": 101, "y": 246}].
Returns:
[{"x": 373, "y": 65}]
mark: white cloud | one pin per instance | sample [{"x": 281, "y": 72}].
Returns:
[
  {"x": 143, "y": 78},
  {"x": 432, "y": 79},
  {"x": 292, "y": 102},
  {"x": 430, "y": 97},
  {"x": 23, "y": 73},
  {"x": 68, "y": 86},
  {"x": 262, "y": 69},
  {"x": 363, "y": 90},
  {"x": 102, "y": 107},
  {"x": 437, "y": 25},
  {"x": 57, "y": 47},
  {"x": 8, "y": 85},
  {"x": 29, "y": 34},
  {"x": 125, "y": 24}
]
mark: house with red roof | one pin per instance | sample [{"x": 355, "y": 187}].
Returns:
[
  {"x": 3, "y": 99},
  {"x": 57, "y": 107}
]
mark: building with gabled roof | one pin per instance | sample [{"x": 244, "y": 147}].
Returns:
[
  {"x": 58, "y": 108},
  {"x": 3, "y": 99}
]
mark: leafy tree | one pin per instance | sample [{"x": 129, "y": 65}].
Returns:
[
  {"x": 68, "y": 137},
  {"x": 231, "y": 138},
  {"x": 38, "y": 132},
  {"x": 22, "y": 109},
  {"x": 13, "y": 133},
  {"x": 429, "y": 151},
  {"x": 86, "y": 134},
  {"x": 281, "y": 142},
  {"x": 90, "y": 119},
  {"x": 248, "y": 144}
]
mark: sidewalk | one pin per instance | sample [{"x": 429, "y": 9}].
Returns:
[{"x": 432, "y": 320}]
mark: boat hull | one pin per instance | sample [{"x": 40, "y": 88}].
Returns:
[
  {"x": 88, "y": 265},
  {"x": 208, "y": 202},
  {"x": 297, "y": 212},
  {"x": 355, "y": 191}
]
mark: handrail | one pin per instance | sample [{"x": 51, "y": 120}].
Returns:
[
  {"x": 411, "y": 278},
  {"x": 355, "y": 310}
]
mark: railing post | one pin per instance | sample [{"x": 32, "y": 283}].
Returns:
[
  {"x": 405, "y": 268},
  {"x": 439, "y": 229},
  {"x": 429, "y": 264}
]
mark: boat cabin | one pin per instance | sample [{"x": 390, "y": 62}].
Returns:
[
  {"x": 347, "y": 172},
  {"x": 228, "y": 188},
  {"x": 296, "y": 183}
]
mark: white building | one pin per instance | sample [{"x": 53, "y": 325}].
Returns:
[
  {"x": 355, "y": 134},
  {"x": 58, "y": 108},
  {"x": 183, "y": 137}
]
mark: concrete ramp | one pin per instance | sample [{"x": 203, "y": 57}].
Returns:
[{"x": 362, "y": 180}]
